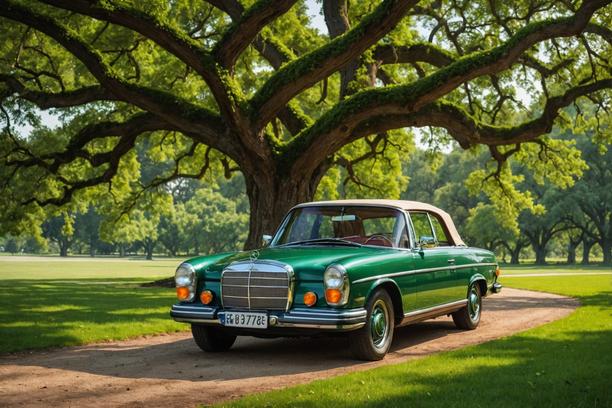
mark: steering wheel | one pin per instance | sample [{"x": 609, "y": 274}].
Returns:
[{"x": 379, "y": 236}]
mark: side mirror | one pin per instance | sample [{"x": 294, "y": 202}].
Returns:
[
  {"x": 266, "y": 239},
  {"x": 426, "y": 241}
]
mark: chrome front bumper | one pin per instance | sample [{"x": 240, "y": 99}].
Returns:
[{"x": 327, "y": 319}]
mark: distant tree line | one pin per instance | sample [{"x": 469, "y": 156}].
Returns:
[{"x": 200, "y": 220}]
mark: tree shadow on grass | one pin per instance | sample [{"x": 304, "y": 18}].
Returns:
[
  {"x": 520, "y": 371},
  {"x": 47, "y": 313}
]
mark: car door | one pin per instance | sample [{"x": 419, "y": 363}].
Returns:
[
  {"x": 456, "y": 287},
  {"x": 435, "y": 279}
]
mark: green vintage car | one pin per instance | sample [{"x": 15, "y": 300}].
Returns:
[{"x": 361, "y": 267}]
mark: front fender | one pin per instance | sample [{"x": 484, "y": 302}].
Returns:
[
  {"x": 393, "y": 290},
  {"x": 477, "y": 277}
]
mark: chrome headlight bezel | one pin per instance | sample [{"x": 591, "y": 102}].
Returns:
[
  {"x": 336, "y": 277},
  {"x": 186, "y": 277}
]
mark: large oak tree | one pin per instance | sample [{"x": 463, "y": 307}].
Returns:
[{"x": 254, "y": 87}]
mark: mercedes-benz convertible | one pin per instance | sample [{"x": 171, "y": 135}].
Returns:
[{"x": 358, "y": 267}]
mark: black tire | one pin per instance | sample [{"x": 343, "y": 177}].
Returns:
[
  {"x": 212, "y": 339},
  {"x": 372, "y": 341},
  {"x": 468, "y": 317}
]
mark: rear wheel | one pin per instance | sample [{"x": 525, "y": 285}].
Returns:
[
  {"x": 373, "y": 340},
  {"x": 212, "y": 339},
  {"x": 468, "y": 317}
]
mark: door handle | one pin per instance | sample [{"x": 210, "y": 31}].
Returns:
[{"x": 450, "y": 261}]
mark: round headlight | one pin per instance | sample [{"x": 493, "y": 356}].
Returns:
[
  {"x": 185, "y": 280},
  {"x": 185, "y": 275},
  {"x": 334, "y": 277},
  {"x": 336, "y": 283}
]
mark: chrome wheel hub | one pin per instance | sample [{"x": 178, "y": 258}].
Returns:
[
  {"x": 474, "y": 304},
  {"x": 379, "y": 324}
]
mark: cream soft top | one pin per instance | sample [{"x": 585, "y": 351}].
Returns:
[{"x": 402, "y": 205}]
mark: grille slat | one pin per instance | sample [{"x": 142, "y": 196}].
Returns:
[{"x": 256, "y": 285}]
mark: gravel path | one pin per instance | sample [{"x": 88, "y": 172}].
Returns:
[{"x": 170, "y": 371}]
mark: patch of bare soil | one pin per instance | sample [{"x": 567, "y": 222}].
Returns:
[{"x": 170, "y": 370}]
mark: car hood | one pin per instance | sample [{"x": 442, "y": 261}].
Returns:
[{"x": 308, "y": 262}]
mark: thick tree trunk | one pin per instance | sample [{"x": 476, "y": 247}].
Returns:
[
  {"x": 63, "y": 249},
  {"x": 571, "y": 254},
  {"x": 540, "y": 253},
  {"x": 270, "y": 198},
  {"x": 514, "y": 256},
  {"x": 586, "y": 251},
  {"x": 121, "y": 250},
  {"x": 149, "y": 245},
  {"x": 606, "y": 247}
]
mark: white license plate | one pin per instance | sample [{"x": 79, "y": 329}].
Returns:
[{"x": 245, "y": 319}]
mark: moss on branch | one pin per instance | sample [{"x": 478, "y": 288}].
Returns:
[
  {"x": 408, "y": 95},
  {"x": 298, "y": 68}
]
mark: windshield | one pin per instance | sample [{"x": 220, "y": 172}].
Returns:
[{"x": 337, "y": 225}]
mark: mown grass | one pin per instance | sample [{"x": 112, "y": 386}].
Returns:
[
  {"x": 31, "y": 267},
  {"x": 532, "y": 268},
  {"x": 49, "y": 302},
  {"x": 567, "y": 363}
]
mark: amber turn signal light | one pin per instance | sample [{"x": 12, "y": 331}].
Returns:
[
  {"x": 497, "y": 272},
  {"x": 333, "y": 295},
  {"x": 206, "y": 297},
  {"x": 310, "y": 298},
  {"x": 182, "y": 293}
]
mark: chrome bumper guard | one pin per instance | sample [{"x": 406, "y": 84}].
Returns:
[{"x": 329, "y": 319}]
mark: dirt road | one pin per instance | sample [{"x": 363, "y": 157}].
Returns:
[{"x": 170, "y": 371}]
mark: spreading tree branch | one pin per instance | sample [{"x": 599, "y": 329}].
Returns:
[
  {"x": 311, "y": 68},
  {"x": 465, "y": 129},
  {"x": 46, "y": 100},
  {"x": 183, "y": 114},
  {"x": 177, "y": 43},
  {"x": 244, "y": 30},
  {"x": 411, "y": 98}
]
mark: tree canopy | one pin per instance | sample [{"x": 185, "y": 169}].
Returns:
[{"x": 253, "y": 86}]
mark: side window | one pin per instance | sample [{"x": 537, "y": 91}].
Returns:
[
  {"x": 422, "y": 227},
  {"x": 439, "y": 230}
]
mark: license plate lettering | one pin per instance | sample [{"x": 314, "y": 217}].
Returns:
[{"x": 245, "y": 319}]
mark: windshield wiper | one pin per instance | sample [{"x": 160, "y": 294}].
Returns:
[{"x": 332, "y": 241}]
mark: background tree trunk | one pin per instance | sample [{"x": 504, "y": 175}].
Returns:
[
  {"x": 149, "y": 245},
  {"x": 586, "y": 250},
  {"x": 540, "y": 253},
  {"x": 571, "y": 253},
  {"x": 606, "y": 247},
  {"x": 63, "y": 248}
]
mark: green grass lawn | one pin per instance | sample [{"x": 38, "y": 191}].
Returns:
[
  {"x": 508, "y": 270},
  {"x": 567, "y": 363},
  {"x": 46, "y": 302}
]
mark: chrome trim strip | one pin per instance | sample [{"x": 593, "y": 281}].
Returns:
[
  {"x": 461, "y": 302},
  {"x": 417, "y": 271},
  {"x": 348, "y": 313},
  {"x": 321, "y": 326},
  {"x": 325, "y": 319},
  {"x": 191, "y": 320},
  {"x": 256, "y": 286},
  {"x": 204, "y": 309}
]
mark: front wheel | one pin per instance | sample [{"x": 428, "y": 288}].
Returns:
[
  {"x": 372, "y": 342},
  {"x": 468, "y": 317},
  {"x": 212, "y": 339}
]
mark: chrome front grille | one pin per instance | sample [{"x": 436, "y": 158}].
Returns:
[{"x": 259, "y": 285}]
